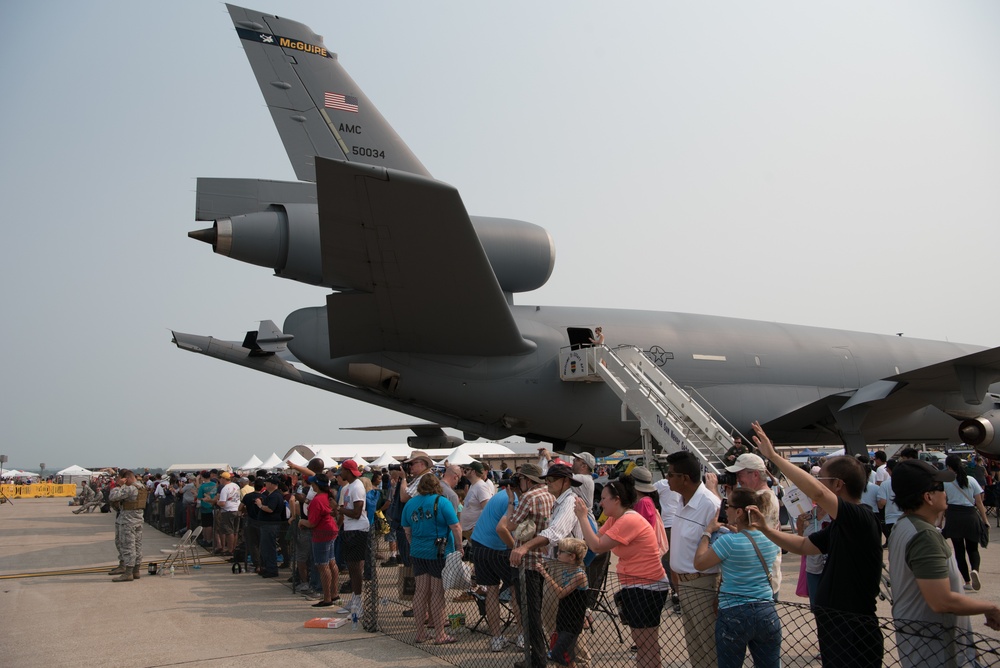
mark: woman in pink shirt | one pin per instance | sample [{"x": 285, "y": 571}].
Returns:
[{"x": 644, "y": 583}]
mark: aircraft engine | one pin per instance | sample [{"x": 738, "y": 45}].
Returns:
[
  {"x": 981, "y": 432},
  {"x": 286, "y": 238}
]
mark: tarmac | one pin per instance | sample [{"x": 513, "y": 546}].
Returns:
[{"x": 60, "y": 608}]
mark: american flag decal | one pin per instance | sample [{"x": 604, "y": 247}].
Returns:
[{"x": 342, "y": 102}]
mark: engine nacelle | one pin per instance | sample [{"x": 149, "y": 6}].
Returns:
[
  {"x": 981, "y": 432},
  {"x": 286, "y": 238}
]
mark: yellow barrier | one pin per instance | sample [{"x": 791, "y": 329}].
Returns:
[{"x": 37, "y": 491}]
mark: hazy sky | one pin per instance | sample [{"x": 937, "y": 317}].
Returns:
[{"x": 830, "y": 164}]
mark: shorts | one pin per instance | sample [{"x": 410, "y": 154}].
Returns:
[
  {"x": 322, "y": 553},
  {"x": 304, "y": 545},
  {"x": 641, "y": 608},
  {"x": 432, "y": 567},
  {"x": 207, "y": 520},
  {"x": 227, "y": 523},
  {"x": 492, "y": 566},
  {"x": 354, "y": 545}
]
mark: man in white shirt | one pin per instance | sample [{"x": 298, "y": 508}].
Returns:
[
  {"x": 353, "y": 520},
  {"x": 478, "y": 494},
  {"x": 696, "y": 589},
  {"x": 228, "y": 505}
]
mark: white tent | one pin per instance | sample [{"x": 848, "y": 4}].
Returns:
[
  {"x": 359, "y": 461},
  {"x": 273, "y": 462},
  {"x": 460, "y": 456},
  {"x": 14, "y": 473},
  {"x": 384, "y": 460},
  {"x": 297, "y": 459},
  {"x": 75, "y": 470},
  {"x": 252, "y": 463}
]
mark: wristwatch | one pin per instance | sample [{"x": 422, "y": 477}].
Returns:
[{"x": 707, "y": 534}]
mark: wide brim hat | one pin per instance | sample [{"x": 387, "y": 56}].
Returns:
[
  {"x": 643, "y": 479},
  {"x": 420, "y": 455},
  {"x": 532, "y": 472}
]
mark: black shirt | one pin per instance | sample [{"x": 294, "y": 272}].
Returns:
[
  {"x": 853, "y": 543},
  {"x": 276, "y": 502}
]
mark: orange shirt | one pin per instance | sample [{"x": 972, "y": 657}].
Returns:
[{"x": 638, "y": 553}]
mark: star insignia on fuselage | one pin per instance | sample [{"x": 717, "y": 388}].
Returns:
[{"x": 658, "y": 355}]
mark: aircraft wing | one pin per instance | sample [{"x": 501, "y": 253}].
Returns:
[
  {"x": 418, "y": 278},
  {"x": 971, "y": 375},
  {"x": 316, "y": 106}
]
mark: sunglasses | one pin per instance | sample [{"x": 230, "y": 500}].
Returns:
[{"x": 937, "y": 487}]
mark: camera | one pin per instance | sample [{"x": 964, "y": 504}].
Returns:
[
  {"x": 727, "y": 479},
  {"x": 441, "y": 544},
  {"x": 504, "y": 482}
]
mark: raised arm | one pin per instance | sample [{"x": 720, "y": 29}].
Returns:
[{"x": 807, "y": 484}]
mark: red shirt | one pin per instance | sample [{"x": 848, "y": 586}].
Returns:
[{"x": 324, "y": 526}]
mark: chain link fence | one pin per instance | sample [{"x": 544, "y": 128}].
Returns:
[{"x": 632, "y": 623}]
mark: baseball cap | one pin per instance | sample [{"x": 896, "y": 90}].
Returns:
[
  {"x": 226, "y": 474},
  {"x": 475, "y": 466},
  {"x": 352, "y": 466},
  {"x": 915, "y": 476},
  {"x": 320, "y": 479},
  {"x": 587, "y": 459},
  {"x": 748, "y": 462}
]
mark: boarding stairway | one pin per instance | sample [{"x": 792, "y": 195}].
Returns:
[{"x": 665, "y": 410}]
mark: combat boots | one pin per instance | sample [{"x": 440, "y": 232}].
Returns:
[
  {"x": 118, "y": 570},
  {"x": 135, "y": 572},
  {"x": 126, "y": 576}
]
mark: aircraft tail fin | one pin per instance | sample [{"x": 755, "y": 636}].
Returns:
[{"x": 316, "y": 106}]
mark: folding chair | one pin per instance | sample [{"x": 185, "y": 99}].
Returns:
[
  {"x": 193, "y": 549},
  {"x": 598, "y": 598},
  {"x": 506, "y": 614},
  {"x": 991, "y": 499},
  {"x": 178, "y": 553}
]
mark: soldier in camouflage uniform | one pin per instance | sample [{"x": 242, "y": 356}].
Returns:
[{"x": 131, "y": 494}]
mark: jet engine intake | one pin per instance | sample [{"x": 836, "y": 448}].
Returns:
[{"x": 981, "y": 432}]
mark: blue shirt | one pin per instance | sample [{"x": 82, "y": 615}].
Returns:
[
  {"x": 485, "y": 532},
  {"x": 425, "y": 526},
  {"x": 962, "y": 496},
  {"x": 742, "y": 572}
]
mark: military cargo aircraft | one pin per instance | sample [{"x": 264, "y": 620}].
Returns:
[{"x": 421, "y": 316}]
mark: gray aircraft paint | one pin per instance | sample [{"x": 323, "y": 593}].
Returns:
[{"x": 416, "y": 278}]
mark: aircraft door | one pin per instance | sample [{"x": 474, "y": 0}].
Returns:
[
  {"x": 579, "y": 337},
  {"x": 848, "y": 368}
]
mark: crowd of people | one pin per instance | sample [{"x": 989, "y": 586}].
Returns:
[{"x": 711, "y": 552}]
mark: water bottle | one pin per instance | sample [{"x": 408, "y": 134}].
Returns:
[
  {"x": 354, "y": 621},
  {"x": 171, "y": 570}
]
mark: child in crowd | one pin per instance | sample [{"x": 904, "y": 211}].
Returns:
[{"x": 569, "y": 584}]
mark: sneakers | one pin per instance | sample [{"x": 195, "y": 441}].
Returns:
[
  {"x": 498, "y": 643},
  {"x": 967, "y": 587},
  {"x": 519, "y": 642},
  {"x": 303, "y": 588},
  {"x": 311, "y": 595},
  {"x": 391, "y": 561},
  {"x": 464, "y": 597},
  {"x": 976, "y": 582}
]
